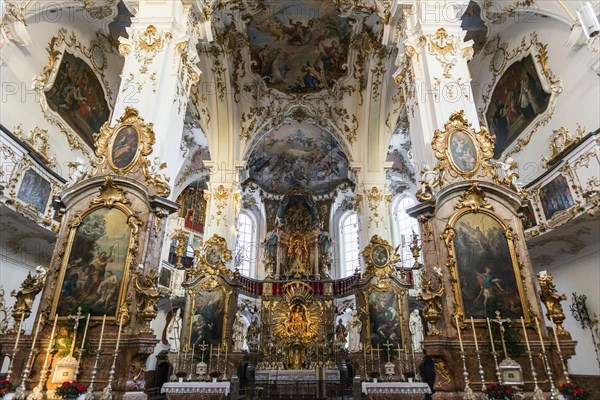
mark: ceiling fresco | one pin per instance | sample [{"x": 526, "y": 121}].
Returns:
[
  {"x": 299, "y": 46},
  {"x": 475, "y": 26},
  {"x": 298, "y": 156}
]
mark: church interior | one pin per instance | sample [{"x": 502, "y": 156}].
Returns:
[{"x": 307, "y": 199}]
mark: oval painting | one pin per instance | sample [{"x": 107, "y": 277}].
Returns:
[
  {"x": 125, "y": 147},
  {"x": 463, "y": 151}
]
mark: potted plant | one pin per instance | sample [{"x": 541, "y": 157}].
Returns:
[
  {"x": 214, "y": 375},
  {"x": 5, "y": 388},
  {"x": 573, "y": 392},
  {"x": 181, "y": 375},
  {"x": 70, "y": 390},
  {"x": 374, "y": 375},
  {"x": 500, "y": 392}
]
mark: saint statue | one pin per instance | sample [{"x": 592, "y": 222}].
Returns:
[
  {"x": 297, "y": 322},
  {"x": 354, "y": 326},
  {"x": 239, "y": 331},
  {"x": 252, "y": 335},
  {"x": 174, "y": 331},
  {"x": 340, "y": 333},
  {"x": 415, "y": 325}
]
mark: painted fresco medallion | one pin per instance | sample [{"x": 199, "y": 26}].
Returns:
[
  {"x": 299, "y": 46},
  {"x": 298, "y": 156},
  {"x": 463, "y": 152},
  {"x": 125, "y": 147}
]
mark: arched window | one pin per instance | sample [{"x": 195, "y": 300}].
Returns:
[
  {"x": 245, "y": 245},
  {"x": 404, "y": 225},
  {"x": 349, "y": 260}
]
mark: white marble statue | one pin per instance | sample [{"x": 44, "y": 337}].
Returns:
[
  {"x": 428, "y": 181},
  {"x": 174, "y": 331},
  {"x": 154, "y": 170},
  {"x": 415, "y": 325},
  {"x": 240, "y": 326},
  {"x": 354, "y": 327},
  {"x": 507, "y": 171},
  {"x": 81, "y": 170}
]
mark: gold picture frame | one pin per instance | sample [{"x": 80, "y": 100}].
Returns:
[
  {"x": 385, "y": 287},
  {"x": 380, "y": 257},
  {"x": 214, "y": 256},
  {"x": 98, "y": 278},
  {"x": 481, "y": 285},
  {"x": 124, "y": 147}
]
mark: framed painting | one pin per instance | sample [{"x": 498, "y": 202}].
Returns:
[
  {"x": 486, "y": 267},
  {"x": 95, "y": 271},
  {"x": 556, "y": 196},
  {"x": 34, "y": 190},
  {"x": 385, "y": 322},
  {"x": 463, "y": 152},
  {"x": 78, "y": 97},
  {"x": 516, "y": 101},
  {"x": 208, "y": 317},
  {"x": 193, "y": 208},
  {"x": 528, "y": 218},
  {"x": 125, "y": 147}
]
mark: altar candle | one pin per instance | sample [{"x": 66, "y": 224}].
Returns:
[
  {"x": 371, "y": 356},
  {"x": 87, "y": 324},
  {"x": 525, "y": 334},
  {"x": 491, "y": 336},
  {"x": 37, "y": 330},
  {"x": 555, "y": 335},
  {"x": 101, "y": 333},
  {"x": 459, "y": 336},
  {"x": 218, "y": 355},
  {"x": 226, "y": 348},
  {"x": 210, "y": 358},
  {"x": 119, "y": 334},
  {"x": 537, "y": 323},
  {"x": 378, "y": 358},
  {"x": 19, "y": 332},
  {"x": 52, "y": 334},
  {"x": 474, "y": 334}
]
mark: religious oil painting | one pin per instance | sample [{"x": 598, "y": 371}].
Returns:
[
  {"x": 487, "y": 274},
  {"x": 463, "y": 151},
  {"x": 384, "y": 318},
  {"x": 556, "y": 196},
  {"x": 528, "y": 219},
  {"x": 125, "y": 147},
  {"x": 299, "y": 46},
  {"x": 207, "y": 321},
  {"x": 78, "y": 98},
  {"x": 516, "y": 101},
  {"x": 96, "y": 265},
  {"x": 301, "y": 156},
  {"x": 34, "y": 190}
]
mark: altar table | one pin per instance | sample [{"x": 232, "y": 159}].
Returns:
[
  {"x": 294, "y": 375},
  {"x": 395, "y": 390},
  {"x": 196, "y": 390}
]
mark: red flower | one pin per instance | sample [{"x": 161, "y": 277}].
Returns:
[{"x": 66, "y": 384}]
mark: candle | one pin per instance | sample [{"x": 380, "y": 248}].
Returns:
[
  {"x": 525, "y": 334},
  {"x": 462, "y": 350},
  {"x": 491, "y": 336},
  {"x": 87, "y": 323},
  {"x": 218, "y": 355},
  {"x": 210, "y": 358},
  {"x": 52, "y": 334},
  {"x": 119, "y": 334},
  {"x": 19, "y": 332},
  {"x": 37, "y": 330},
  {"x": 555, "y": 335},
  {"x": 378, "y": 358},
  {"x": 537, "y": 323},
  {"x": 371, "y": 355},
  {"x": 474, "y": 334},
  {"x": 101, "y": 333}
]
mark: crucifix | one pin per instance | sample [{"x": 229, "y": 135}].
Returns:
[
  {"x": 388, "y": 345},
  {"x": 500, "y": 321},
  {"x": 203, "y": 346},
  {"x": 75, "y": 318}
]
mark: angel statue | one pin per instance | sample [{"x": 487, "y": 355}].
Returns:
[
  {"x": 429, "y": 179},
  {"x": 507, "y": 173},
  {"x": 148, "y": 292},
  {"x": 30, "y": 287},
  {"x": 154, "y": 169},
  {"x": 80, "y": 171}
]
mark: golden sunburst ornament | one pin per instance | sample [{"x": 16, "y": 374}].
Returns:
[{"x": 297, "y": 317}]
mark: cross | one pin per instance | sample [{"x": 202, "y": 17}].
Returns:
[
  {"x": 203, "y": 346},
  {"x": 75, "y": 318},
  {"x": 501, "y": 322},
  {"x": 388, "y": 345}
]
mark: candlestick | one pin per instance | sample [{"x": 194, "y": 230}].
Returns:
[
  {"x": 102, "y": 332},
  {"x": 462, "y": 350},
  {"x": 20, "y": 392},
  {"x": 12, "y": 358},
  {"x": 89, "y": 395},
  {"x": 378, "y": 359},
  {"x": 87, "y": 323},
  {"x": 560, "y": 355},
  {"x": 210, "y": 358},
  {"x": 119, "y": 334},
  {"x": 218, "y": 355},
  {"x": 107, "y": 391},
  {"x": 365, "y": 359},
  {"x": 494, "y": 354},
  {"x": 553, "y": 393},
  {"x": 537, "y": 392},
  {"x": 225, "y": 370},
  {"x": 37, "y": 391}
]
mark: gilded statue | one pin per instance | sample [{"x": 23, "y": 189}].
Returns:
[
  {"x": 552, "y": 301},
  {"x": 297, "y": 251},
  {"x": 432, "y": 300},
  {"x": 148, "y": 293},
  {"x": 297, "y": 322},
  {"x": 30, "y": 287}
]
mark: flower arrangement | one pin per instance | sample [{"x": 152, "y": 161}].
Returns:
[
  {"x": 574, "y": 392},
  {"x": 5, "y": 387},
  {"x": 214, "y": 374},
  {"x": 374, "y": 374},
  {"x": 181, "y": 374},
  {"x": 70, "y": 390},
  {"x": 499, "y": 392}
]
